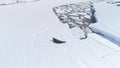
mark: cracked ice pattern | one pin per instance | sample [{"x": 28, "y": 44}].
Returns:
[{"x": 74, "y": 14}]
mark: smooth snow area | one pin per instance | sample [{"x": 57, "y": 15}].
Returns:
[{"x": 26, "y": 32}]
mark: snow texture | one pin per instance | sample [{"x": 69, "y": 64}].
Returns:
[
  {"x": 10, "y": 2},
  {"x": 26, "y": 31}
]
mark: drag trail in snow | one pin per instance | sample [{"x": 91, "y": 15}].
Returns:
[{"x": 112, "y": 38}]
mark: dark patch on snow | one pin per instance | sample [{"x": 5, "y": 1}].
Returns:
[{"x": 117, "y": 3}]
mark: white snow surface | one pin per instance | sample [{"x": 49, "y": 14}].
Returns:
[{"x": 26, "y": 32}]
